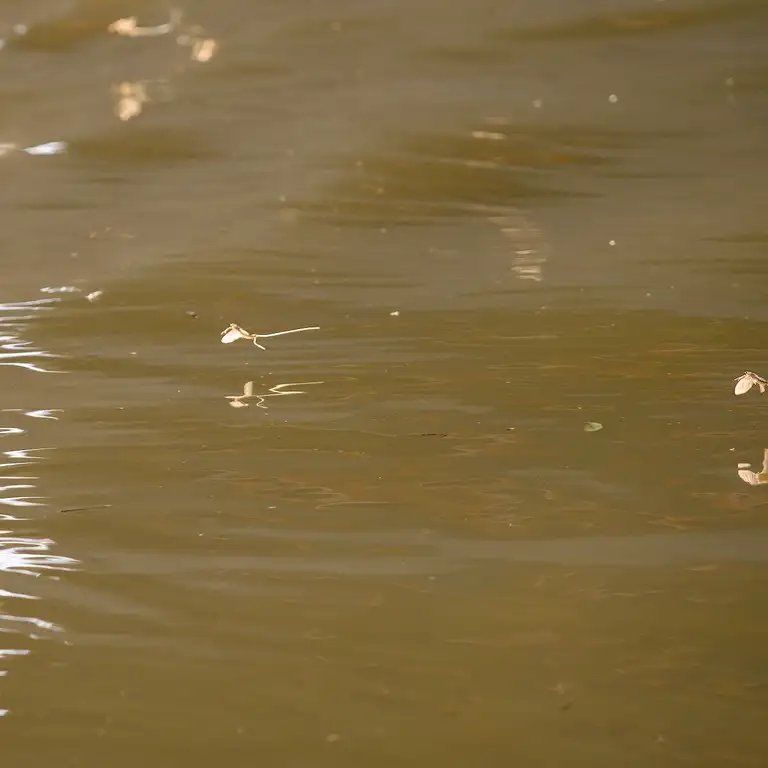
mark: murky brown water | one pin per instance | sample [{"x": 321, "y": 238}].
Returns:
[{"x": 510, "y": 221}]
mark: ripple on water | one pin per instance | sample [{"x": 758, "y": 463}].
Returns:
[{"x": 23, "y": 552}]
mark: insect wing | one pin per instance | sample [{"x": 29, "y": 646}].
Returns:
[
  {"x": 230, "y": 335},
  {"x": 748, "y": 476},
  {"x": 743, "y": 384}
]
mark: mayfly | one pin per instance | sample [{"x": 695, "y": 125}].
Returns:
[
  {"x": 748, "y": 380},
  {"x": 233, "y": 332},
  {"x": 129, "y": 26}
]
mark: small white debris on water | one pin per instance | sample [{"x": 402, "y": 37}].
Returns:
[
  {"x": 613, "y": 98},
  {"x": 396, "y": 313},
  {"x": 94, "y": 295},
  {"x": 611, "y": 242},
  {"x": 49, "y": 148},
  {"x": 538, "y": 103},
  {"x": 60, "y": 289},
  {"x": 490, "y": 135}
]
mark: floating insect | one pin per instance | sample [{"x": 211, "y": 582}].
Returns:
[
  {"x": 233, "y": 332},
  {"x": 748, "y": 380},
  {"x": 129, "y": 27}
]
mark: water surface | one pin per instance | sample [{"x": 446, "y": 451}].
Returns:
[{"x": 509, "y": 221}]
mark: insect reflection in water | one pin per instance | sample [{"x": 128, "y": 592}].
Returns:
[
  {"x": 239, "y": 401},
  {"x": 755, "y": 478}
]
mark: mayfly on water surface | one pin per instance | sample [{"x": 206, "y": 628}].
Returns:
[
  {"x": 233, "y": 332},
  {"x": 747, "y": 380}
]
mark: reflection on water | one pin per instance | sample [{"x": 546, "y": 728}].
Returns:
[
  {"x": 23, "y": 555},
  {"x": 754, "y": 478},
  {"x": 530, "y": 250},
  {"x": 279, "y": 390},
  {"x": 130, "y": 97}
]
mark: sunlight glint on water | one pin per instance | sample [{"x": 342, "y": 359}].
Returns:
[{"x": 25, "y": 555}]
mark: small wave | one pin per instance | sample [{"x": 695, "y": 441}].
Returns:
[{"x": 27, "y": 555}]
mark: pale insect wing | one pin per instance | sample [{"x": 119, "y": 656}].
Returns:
[
  {"x": 232, "y": 334},
  {"x": 748, "y": 476},
  {"x": 743, "y": 384}
]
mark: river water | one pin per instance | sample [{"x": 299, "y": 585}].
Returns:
[{"x": 490, "y": 513}]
